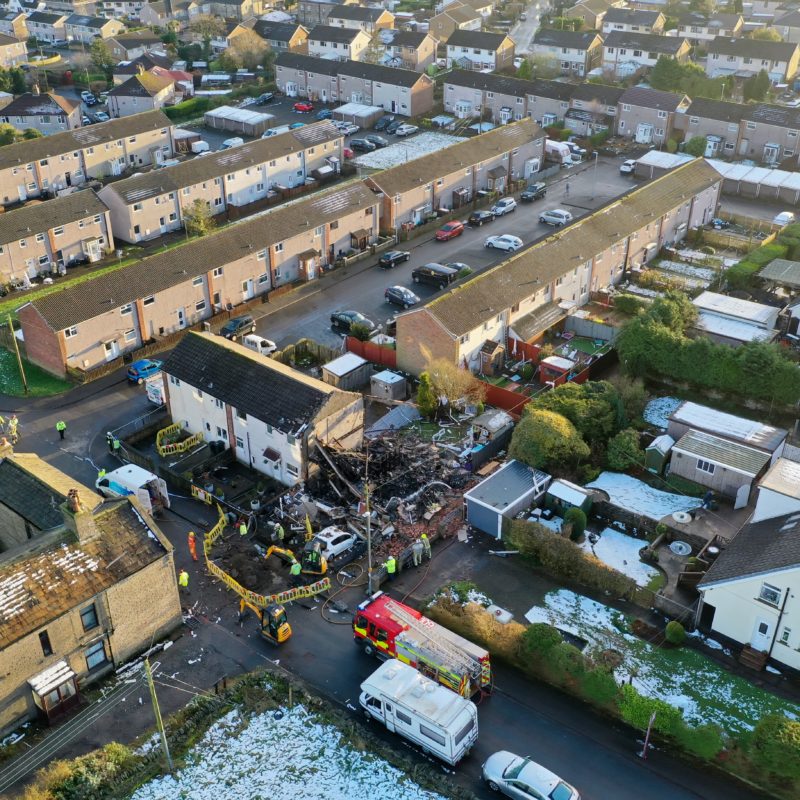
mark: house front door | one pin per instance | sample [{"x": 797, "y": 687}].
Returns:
[
  {"x": 762, "y": 635},
  {"x": 111, "y": 350}
]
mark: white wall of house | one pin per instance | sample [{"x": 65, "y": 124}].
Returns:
[
  {"x": 253, "y": 438},
  {"x": 749, "y": 611},
  {"x": 771, "y": 504}
]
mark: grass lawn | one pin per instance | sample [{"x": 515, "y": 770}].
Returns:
[
  {"x": 40, "y": 383},
  {"x": 682, "y": 677}
]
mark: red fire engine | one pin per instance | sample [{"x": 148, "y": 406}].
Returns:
[{"x": 391, "y": 629}]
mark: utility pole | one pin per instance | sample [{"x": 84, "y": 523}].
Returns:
[
  {"x": 19, "y": 357},
  {"x": 157, "y": 712},
  {"x": 594, "y": 173},
  {"x": 369, "y": 525}
]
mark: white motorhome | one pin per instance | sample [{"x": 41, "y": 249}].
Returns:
[
  {"x": 150, "y": 490},
  {"x": 558, "y": 151},
  {"x": 437, "y": 719}
]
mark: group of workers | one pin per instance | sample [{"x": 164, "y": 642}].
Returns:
[
  {"x": 9, "y": 428},
  {"x": 419, "y": 550}
]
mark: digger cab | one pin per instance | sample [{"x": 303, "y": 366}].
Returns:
[
  {"x": 313, "y": 562},
  {"x": 274, "y": 624}
]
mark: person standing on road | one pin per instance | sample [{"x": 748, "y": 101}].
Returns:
[
  {"x": 12, "y": 429},
  {"x": 193, "y": 545},
  {"x": 417, "y": 549},
  {"x": 110, "y": 441},
  {"x": 426, "y": 545},
  {"x": 61, "y": 427},
  {"x": 566, "y": 188},
  {"x": 116, "y": 446},
  {"x": 183, "y": 580},
  {"x": 294, "y": 572}
]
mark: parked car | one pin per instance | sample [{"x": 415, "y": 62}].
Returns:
[
  {"x": 383, "y": 123},
  {"x": 400, "y": 296},
  {"x": 784, "y": 218},
  {"x": 534, "y": 192},
  {"x": 406, "y": 130},
  {"x": 144, "y": 368},
  {"x": 477, "y": 218},
  {"x": 101, "y": 116},
  {"x": 392, "y": 127},
  {"x": 507, "y": 205},
  {"x": 265, "y": 99},
  {"x": 434, "y": 274},
  {"x": 556, "y": 217},
  {"x": 449, "y": 231},
  {"x": 85, "y": 120},
  {"x": 347, "y": 128},
  {"x": 334, "y": 541},
  {"x": 326, "y": 113},
  {"x": 378, "y": 141},
  {"x": 88, "y": 98},
  {"x": 515, "y": 776},
  {"x": 627, "y": 167},
  {"x": 362, "y": 145},
  {"x": 295, "y": 125},
  {"x": 505, "y": 242},
  {"x": 344, "y": 321},
  {"x": 238, "y": 326},
  {"x": 348, "y": 153},
  {"x": 303, "y": 107},
  {"x": 576, "y": 150},
  {"x": 392, "y": 258}
]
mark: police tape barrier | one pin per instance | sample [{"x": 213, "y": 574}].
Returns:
[{"x": 260, "y": 600}]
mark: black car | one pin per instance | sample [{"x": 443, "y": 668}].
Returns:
[
  {"x": 383, "y": 123},
  {"x": 394, "y": 125},
  {"x": 265, "y": 98},
  {"x": 238, "y": 326},
  {"x": 362, "y": 145},
  {"x": 536, "y": 191},
  {"x": 344, "y": 321},
  {"x": 393, "y": 257},
  {"x": 400, "y": 296},
  {"x": 477, "y": 218},
  {"x": 378, "y": 141}
]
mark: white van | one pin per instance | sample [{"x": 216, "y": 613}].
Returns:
[
  {"x": 200, "y": 147},
  {"x": 275, "y": 131},
  {"x": 234, "y": 141},
  {"x": 261, "y": 345},
  {"x": 132, "y": 480},
  {"x": 440, "y": 721}
]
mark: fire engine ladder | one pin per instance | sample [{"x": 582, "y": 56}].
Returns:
[{"x": 451, "y": 657}]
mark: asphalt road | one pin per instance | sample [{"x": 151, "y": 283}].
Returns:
[{"x": 523, "y": 32}]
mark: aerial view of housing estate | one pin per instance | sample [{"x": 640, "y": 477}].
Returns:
[{"x": 399, "y": 399}]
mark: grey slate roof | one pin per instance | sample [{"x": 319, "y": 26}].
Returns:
[
  {"x": 12, "y": 155},
  {"x": 632, "y": 16},
  {"x": 356, "y": 13},
  {"x": 577, "y": 40},
  {"x": 196, "y": 170},
  {"x": 760, "y": 548},
  {"x": 87, "y": 22},
  {"x": 408, "y": 39},
  {"x": 28, "y": 497},
  {"x": 652, "y": 98},
  {"x": 256, "y": 386},
  {"x": 506, "y": 486},
  {"x": 504, "y": 84},
  {"x": 589, "y": 92},
  {"x": 45, "y": 17},
  {"x": 481, "y": 39},
  {"x": 29, "y": 104},
  {"x": 651, "y": 42},
  {"x": 782, "y": 271},
  {"x": 6, "y": 40},
  {"x": 276, "y": 31},
  {"x": 146, "y": 61},
  {"x": 355, "y": 69},
  {"x": 767, "y": 114},
  {"x": 72, "y": 306},
  {"x": 333, "y": 33},
  {"x": 36, "y": 217},
  {"x": 721, "y": 110},
  {"x": 719, "y": 20},
  {"x": 723, "y": 451},
  {"x": 146, "y": 84},
  {"x": 752, "y": 48}
]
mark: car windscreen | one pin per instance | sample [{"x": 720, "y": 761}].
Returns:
[{"x": 561, "y": 792}]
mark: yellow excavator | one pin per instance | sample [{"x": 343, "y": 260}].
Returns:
[
  {"x": 311, "y": 563},
  {"x": 274, "y": 624}
]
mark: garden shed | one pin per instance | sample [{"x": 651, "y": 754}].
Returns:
[
  {"x": 238, "y": 120},
  {"x": 563, "y": 495},
  {"x": 388, "y": 385},
  {"x": 491, "y": 433},
  {"x": 554, "y": 367},
  {"x": 656, "y": 454},
  {"x": 511, "y": 489},
  {"x": 347, "y": 372}
]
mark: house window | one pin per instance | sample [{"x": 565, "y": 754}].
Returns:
[
  {"x": 40, "y": 236},
  {"x": 126, "y": 309},
  {"x": 44, "y": 641},
  {"x": 89, "y": 617},
  {"x": 786, "y": 634},
  {"x": 174, "y": 381},
  {"x": 200, "y": 305},
  {"x": 130, "y": 336},
  {"x": 279, "y": 247},
  {"x": 263, "y": 278},
  {"x": 222, "y": 433},
  {"x": 240, "y": 442},
  {"x": 137, "y": 206},
  {"x": 662, "y": 114},
  {"x": 217, "y": 273},
  {"x": 218, "y": 403},
  {"x": 70, "y": 332},
  {"x": 770, "y": 594},
  {"x": 198, "y": 281},
  {"x": 292, "y": 470},
  {"x": 95, "y": 655},
  {"x": 705, "y": 466},
  {"x": 148, "y": 301}
]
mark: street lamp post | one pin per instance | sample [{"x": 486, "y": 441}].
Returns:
[{"x": 594, "y": 173}]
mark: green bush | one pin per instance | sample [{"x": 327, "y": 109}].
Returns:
[
  {"x": 636, "y": 711},
  {"x": 527, "y": 372},
  {"x": 705, "y": 741},
  {"x": 538, "y": 640},
  {"x": 628, "y": 304},
  {"x": 188, "y": 109},
  {"x": 624, "y": 452},
  {"x": 675, "y": 633},
  {"x": 599, "y": 686},
  {"x": 775, "y": 746},
  {"x": 565, "y": 660},
  {"x": 360, "y": 331},
  {"x": 577, "y": 519}
]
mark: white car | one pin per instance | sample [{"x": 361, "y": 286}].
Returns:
[
  {"x": 334, "y": 541},
  {"x": 784, "y": 218},
  {"x": 505, "y": 206},
  {"x": 406, "y": 130},
  {"x": 555, "y": 217},
  {"x": 515, "y": 776},
  {"x": 347, "y": 128},
  {"x": 627, "y": 167},
  {"x": 505, "y": 242}
]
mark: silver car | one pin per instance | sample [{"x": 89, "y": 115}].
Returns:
[{"x": 523, "y": 778}]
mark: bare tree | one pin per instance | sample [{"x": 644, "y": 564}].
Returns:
[
  {"x": 249, "y": 48},
  {"x": 453, "y": 385},
  {"x": 207, "y": 27}
]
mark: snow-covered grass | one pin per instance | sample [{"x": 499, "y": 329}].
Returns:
[
  {"x": 621, "y": 552},
  {"x": 464, "y": 592},
  {"x": 642, "y": 291},
  {"x": 702, "y": 274},
  {"x": 636, "y": 496},
  {"x": 399, "y": 153},
  {"x": 283, "y": 755},
  {"x": 682, "y": 677},
  {"x": 657, "y": 411}
]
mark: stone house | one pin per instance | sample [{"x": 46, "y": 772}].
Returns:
[
  {"x": 718, "y": 121},
  {"x": 769, "y": 133},
  {"x": 648, "y": 116},
  {"x": 411, "y": 50},
  {"x": 142, "y": 92},
  {"x": 80, "y": 28},
  {"x": 283, "y": 36},
  {"x": 698, "y": 29},
  {"x": 480, "y": 50},
  {"x": 576, "y": 53},
  {"x": 593, "y": 107},
  {"x": 46, "y": 27},
  {"x": 13, "y": 52},
  {"x": 48, "y": 113},
  {"x": 45, "y": 236},
  {"x": 592, "y": 12},
  {"x": 315, "y": 12},
  {"x": 624, "y": 54},
  {"x": 633, "y": 20},
  {"x": 362, "y": 18},
  {"x": 456, "y": 17},
  {"x": 13, "y": 23},
  {"x": 84, "y": 591},
  {"x": 269, "y": 414},
  {"x": 167, "y": 292},
  {"x": 339, "y": 44}
]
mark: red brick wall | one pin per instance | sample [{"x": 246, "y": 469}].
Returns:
[{"x": 42, "y": 344}]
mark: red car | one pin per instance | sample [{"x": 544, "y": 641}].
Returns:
[
  {"x": 303, "y": 108},
  {"x": 450, "y": 231},
  {"x": 348, "y": 153}
]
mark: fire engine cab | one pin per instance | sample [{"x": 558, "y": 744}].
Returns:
[{"x": 390, "y": 629}]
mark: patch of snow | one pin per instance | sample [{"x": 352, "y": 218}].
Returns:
[
  {"x": 636, "y": 496},
  {"x": 658, "y": 410},
  {"x": 473, "y": 596},
  {"x": 408, "y": 150},
  {"x": 642, "y": 292},
  {"x": 773, "y": 670},
  {"x": 237, "y": 761},
  {"x": 621, "y": 552},
  {"x": 704, "y": 275},
  {"x": 553, "y": 524}
]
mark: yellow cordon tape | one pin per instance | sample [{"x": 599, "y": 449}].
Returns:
[
  {"x": 260, "y": 600},
  {"x": 177, "y": 447}
]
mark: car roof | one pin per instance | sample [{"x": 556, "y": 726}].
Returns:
[{"x": 539, "y": 777}]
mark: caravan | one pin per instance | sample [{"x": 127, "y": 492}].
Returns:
[{"x": 441, "y": 722}]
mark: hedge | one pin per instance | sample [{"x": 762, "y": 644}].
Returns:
[{"x": 188, "y": 109}]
